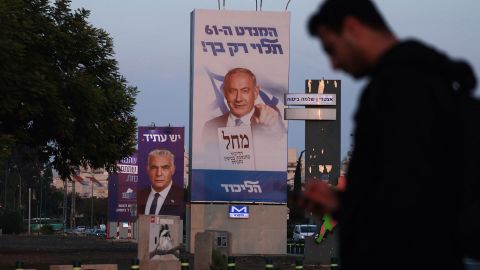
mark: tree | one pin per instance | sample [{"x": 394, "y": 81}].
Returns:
[{"x": 61, "y": 91}]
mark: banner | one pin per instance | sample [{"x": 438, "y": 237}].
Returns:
[
  {"x": 122, "y": 191},
  {"x": 239, "y": 78},
  {"x": 160, "y": 171}
]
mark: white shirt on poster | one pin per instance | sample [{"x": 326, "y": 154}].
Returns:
[
  {"x": 245, "y": 119},
  {"x": 161, "y": 199}
]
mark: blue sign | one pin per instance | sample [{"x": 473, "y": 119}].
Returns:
[
  {"x": 238, "y": 211},
  {"x": 239, "y": 186}
]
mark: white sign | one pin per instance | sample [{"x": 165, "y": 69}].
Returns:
[
  {"x": 238, "y": 211},
  {"x": 310, "y": 114},
  {"x": 310, "y": 99},
  {"x": 236, "y": 148}
]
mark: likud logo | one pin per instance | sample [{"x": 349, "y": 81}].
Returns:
[
  {"x": 238, "y": 211},
  {"x": 248, "y": 186}
]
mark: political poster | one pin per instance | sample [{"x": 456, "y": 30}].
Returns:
[
  {"x": 160, "y": 171},
  {"x": 239, "y": 76},
  {"x": 122, "y": 191}
]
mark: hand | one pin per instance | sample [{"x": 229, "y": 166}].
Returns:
[
  {"x": 319, "y": 198},
  {"x": 265, "y": 115}
]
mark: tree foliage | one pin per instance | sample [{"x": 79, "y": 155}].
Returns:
[{"x": 61, "y": 92}]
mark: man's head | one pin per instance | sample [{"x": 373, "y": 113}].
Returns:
[
  {"x": 353, "y": 34},
  {"x": 240, "y": 90},
  {"x": 160, "y": 168}
]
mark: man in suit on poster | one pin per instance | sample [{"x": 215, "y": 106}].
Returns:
[
  {"x": 162, "y": 197},
  {"x": 240, "y": 89}
]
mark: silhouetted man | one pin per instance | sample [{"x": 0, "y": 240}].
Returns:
[{"x": 399, "y": 207}]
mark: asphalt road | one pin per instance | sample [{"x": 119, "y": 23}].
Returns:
[{"x": 39, "y": 252}]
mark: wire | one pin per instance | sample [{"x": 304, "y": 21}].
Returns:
[
  {"x": 261, "y": 2},
  {"x": 223, "y": 4},
  {"x": 286, "y": 7},
  {"x": 218, "y": 4},
  {"x": 256, "y": 5}
]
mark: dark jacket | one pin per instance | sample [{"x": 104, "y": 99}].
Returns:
[
  {"x": 173, "y": 205},
  {"x": 398, "y": 211}
]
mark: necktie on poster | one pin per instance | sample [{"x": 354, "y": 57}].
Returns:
[{"x": 153, "y": 207}]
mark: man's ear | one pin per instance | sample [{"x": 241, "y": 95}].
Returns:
[
  {"x": 257, "y": 91},
  {"x": 351, "y": 29}
]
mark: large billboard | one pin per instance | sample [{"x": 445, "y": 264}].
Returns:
[
  {"x": 239, "y": 76},
  {"x": 122, "y": 191},
  {"x": 160, "y": 171}
]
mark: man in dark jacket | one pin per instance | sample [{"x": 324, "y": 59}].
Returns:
[
  {"x": 240, "y": 89},
  {"x": 162, "y": 196},
  {"x": 401, "y": 198}
]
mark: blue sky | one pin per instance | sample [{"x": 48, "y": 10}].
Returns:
[{"x": 152, "y": 40}]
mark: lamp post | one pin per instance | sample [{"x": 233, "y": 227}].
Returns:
[
  {"x": 91, "y": 209},
  {"x": 29, "y": 209}
]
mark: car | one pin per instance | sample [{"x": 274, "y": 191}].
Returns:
[
  {"x": 79, "y": 230},
  {"x": 89, "y": 231},
  {"x": 99, "y": 233},
  {"x": 303, "y": 230}
]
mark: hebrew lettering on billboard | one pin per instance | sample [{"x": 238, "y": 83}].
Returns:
[{"x": 240, "y": 62}]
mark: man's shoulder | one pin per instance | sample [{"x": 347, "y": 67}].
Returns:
[
  {"x": 218, "y": 121},
  {"x": 146, "y": 189},
  {"x": 142, "y": 195},
  {"x": 175, "y": 195},
  {"x": 209, "y": 133},
  {"x": 175, "y": 189}
]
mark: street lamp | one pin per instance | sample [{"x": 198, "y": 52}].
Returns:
[{"x": 91, "y": 210}]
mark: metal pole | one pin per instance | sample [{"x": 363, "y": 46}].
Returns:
[
  {"x": 91, "y": 210},
  {"x": 64, "y": 205},
  {"x": 73, "y": 205},
  {"x": 6, "y": 174},
  {"x": 29, "y": 209},
  {"x": 20, "y": 193},
  {"x": 41, "y": 200}
]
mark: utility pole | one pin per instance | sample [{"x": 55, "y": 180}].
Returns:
[
  {"x": 74, "y": 202},
  {"x": 65, "y": 205},
  {"x": 6, "y": 174},
  {"x": 20, "y": 193},
  {"x": 91, "y": 210},
  {"x": 41, "y": 199},
  {"x": 29, "y": 209}
]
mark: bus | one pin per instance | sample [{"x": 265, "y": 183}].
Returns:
[{"x": 37, "y": 223}]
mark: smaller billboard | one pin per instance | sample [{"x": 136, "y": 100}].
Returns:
[
  {"x": 160, "y": 171},
  {"x": 122, "y": 191}
]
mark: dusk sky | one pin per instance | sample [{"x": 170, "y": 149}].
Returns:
[{"x": 152, "y": 45}]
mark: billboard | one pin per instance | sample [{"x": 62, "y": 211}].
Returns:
[
  {"x": 160, "y": 171},
  {"x": 122, "y": 191},
  {"x": 239, "y": 76}
]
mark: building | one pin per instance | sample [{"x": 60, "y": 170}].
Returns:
[{"x": 86, "y": 183}]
